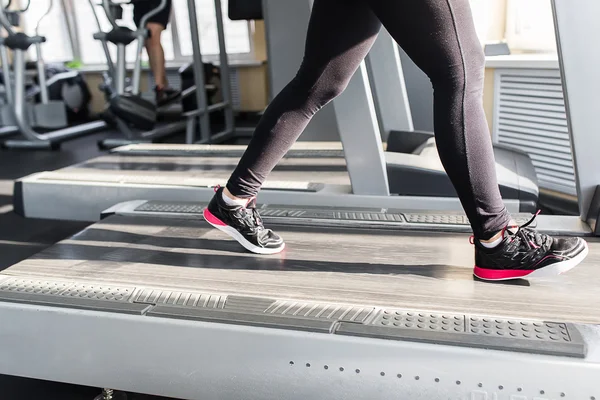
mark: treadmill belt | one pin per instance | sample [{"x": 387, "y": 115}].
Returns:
[
  {"x": 170, "y": 167},
  {"x": 176, "y": 170},
  {"x": 230, "y": 153},
  {"x": 396, "y": 270},
  {"x": 299, "y": 150}
]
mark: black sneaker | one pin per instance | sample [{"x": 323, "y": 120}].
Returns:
[
  {"x": 166, "y": 95},
  {"x": 525, "y": 252},
  {"x": 243, "y": 224}
]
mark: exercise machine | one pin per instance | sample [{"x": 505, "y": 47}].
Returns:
[
  {"x": 134, "y": 116},
  {"x": 359, "y": 306},
  {"x": 311, "y": 174},
  {"x": 48, "y": 112},
  {"x": 409, "y": 175},
  {"x": 42, "y": 112}
]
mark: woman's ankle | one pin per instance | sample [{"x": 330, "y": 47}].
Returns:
[
  {"x": 227, "y": 193},
  {"x": 498, "y": 236}
]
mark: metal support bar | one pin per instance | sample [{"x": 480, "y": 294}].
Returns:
[
  {"x": 5, "y": 22},
  {"x": 361, "y": 138},
  {"x": 190, "y": 130},
  {"x": 72, "y": 27},
  {"x": 8, "y": 131},
  {"x": 137, "y": 69},
  {"x": 41, "y": 68},
  {"x": 389, "y": 89},
  {"x": 209, "y": 109},
  {"x": 201, "y": 99},
  {"x": 225, "y": 71},
  {"x": 20, "y": 100},
  {"x": 109, "y": 14},
  {"x": 121, "y": 69},
  {"x": 101, "y": 36},
  {"x": 175, "y": 36},
  {"x": 574, "y": 22},
  {"x": 8, "y": 89}
]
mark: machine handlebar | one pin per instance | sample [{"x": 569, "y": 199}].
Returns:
[
  {"x": 151, "y": 13},
  {"x": 48, "y": 11}
]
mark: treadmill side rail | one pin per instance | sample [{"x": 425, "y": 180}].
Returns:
[
  {"x": 197, "y": 359},
  {"x": 458, "y": 329}
]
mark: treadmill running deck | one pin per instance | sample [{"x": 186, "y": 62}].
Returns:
[
  {"x": 408, "y": 270},
  {"x": 323, "y": 170},
  {"x": 157, "y": 302}
]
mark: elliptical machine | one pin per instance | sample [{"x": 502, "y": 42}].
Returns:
[
  {"x": 49, "y": 94},
  {"x": 48, "y": 113},
  {"x": 134, "y": 116}
]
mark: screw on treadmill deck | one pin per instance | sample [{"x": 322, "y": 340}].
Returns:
[{"x": 107, "y": 394}]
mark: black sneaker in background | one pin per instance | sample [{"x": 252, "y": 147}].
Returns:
[
  {"x": 243, "y": 224},
  {"x": 526, "y": 253},
  {"x": 166, "y": 95}
]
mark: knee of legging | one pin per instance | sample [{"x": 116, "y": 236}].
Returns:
[
  {"x": 320, "y": 86},
  {"x": 464, "y": 74},
  {"x": 329, "y": 92}
]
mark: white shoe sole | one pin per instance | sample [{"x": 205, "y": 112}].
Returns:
[
  {"x": 549, "y": 271},
  {"x": 238, "y": 237}
]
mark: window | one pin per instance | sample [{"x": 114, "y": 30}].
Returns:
[
  {"x": 57, "y": 47},
  {"x": 237, "y": 34},
  {"x": 481, "y": 16},
  {"x": 530, "y": 26}
]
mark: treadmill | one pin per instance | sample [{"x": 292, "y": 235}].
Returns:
[
  {"x": 372, "y": 111},
  {"x": 362, "y": 304},
  {"x": 151, "y": 299},
  {"x": 305, "y": 177},
  {"x": 355, "y": 172}
]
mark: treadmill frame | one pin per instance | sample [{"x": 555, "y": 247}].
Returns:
[{"x": 197, "y": 359}]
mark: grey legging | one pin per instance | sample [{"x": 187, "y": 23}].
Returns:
[{"x": 440, "y": 37}]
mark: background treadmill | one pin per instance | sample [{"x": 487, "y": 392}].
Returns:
[
  {"x": 415, "y": 179},
  {"x": 413, "y": 164}
]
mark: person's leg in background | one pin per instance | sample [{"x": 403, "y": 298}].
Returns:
[{"x": 156, "y": 54}]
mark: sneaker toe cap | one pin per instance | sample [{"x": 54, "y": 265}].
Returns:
[
  {"x": 270, "y": 239},
  {"x": 568, "y": 246}
]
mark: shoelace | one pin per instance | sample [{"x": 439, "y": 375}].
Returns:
[
  {"x": 249, "y": 216},
  {"x": 530, "y": 237}
]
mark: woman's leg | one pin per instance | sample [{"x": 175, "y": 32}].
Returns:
[
  {"x": 340, "y": 34},
  {"x": 440, "y": 37}
]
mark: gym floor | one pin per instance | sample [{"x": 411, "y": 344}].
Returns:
[{"x": 20, "y": 238}]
